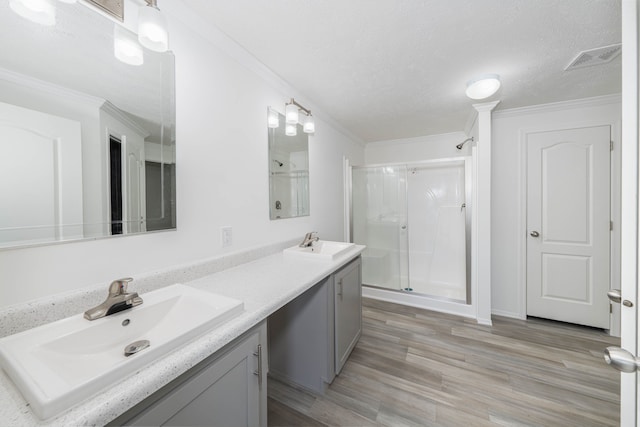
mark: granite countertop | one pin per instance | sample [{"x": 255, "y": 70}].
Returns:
[{"x": 264, "y": 285}]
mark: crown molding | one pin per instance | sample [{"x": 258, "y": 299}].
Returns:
[
  {"x": 49, "y": 88},
  {"x": 117, "y": 113},
  {"x": 595, "y": 101}
]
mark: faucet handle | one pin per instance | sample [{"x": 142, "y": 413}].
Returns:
[{"x": 119, "y": 287}]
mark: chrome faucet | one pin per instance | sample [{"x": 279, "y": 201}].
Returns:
[
  {"x": 309, "y": 238},
  {"x": 119, "y": 299}
]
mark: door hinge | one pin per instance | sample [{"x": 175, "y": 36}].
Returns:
[
  {"x": 610, "y": 225},
  {"x": 611, "y": 145},
  {"x": 610, "y": 308}
]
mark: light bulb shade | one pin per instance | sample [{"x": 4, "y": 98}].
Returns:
[
  {"x": 308, "y": 124},
  {"x": 68, "y": 1},
  {"x": 41, "y": 12},
  {"x": 483, "y": 86},
  {"x": 273, "y": 118},
  {"x": 291, "y": 129},
  {"x": 291, "y": 113},
  {"x": 126, "y": 47},
  {"x": 153, "y": 31}
]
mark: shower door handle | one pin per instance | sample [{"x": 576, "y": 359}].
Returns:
[{"x": 535, "y": 234}]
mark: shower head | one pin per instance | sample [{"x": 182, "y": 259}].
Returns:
[
  {"x": 278, "y": 162},
  {"x": 459, "y": 146}
]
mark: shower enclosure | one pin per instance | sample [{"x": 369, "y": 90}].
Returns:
[{"x": 415, "y": 221}]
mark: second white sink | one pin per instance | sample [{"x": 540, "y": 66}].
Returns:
[
  {"x": 60, "y": 364},
  {"x": 322, "y": 249}
]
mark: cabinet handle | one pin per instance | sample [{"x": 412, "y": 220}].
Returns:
[
  {"x": 340, "y": 287},
  {"x": 258, "y": 354}
]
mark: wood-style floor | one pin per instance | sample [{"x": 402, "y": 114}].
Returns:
[{"x": 417, "y": 367}]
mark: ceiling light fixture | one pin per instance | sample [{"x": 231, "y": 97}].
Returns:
[
  {"x": 292, "y": 115},
  {"x": 483, "y": 86},
  {"x": 41, "y": 12},
  {"x": 153, "y": 31},
  {"x": 126, "y": 47}
]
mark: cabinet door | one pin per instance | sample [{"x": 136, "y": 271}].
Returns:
[
  {"x": 348, "y": 310},
  {"x": 225, "y": 393}
]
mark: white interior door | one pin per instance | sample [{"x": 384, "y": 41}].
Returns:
[
  {"x": 568, "y": 221},
  {"x": 40, "y": 177}
]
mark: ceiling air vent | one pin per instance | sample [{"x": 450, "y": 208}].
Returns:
[{"x": 597, "y": 56}]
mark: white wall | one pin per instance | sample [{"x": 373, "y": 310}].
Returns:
[
  {"x": 417, "y": 149},
  {"x": 222, "y": 175},
  {"x": 507, "y": 193}
]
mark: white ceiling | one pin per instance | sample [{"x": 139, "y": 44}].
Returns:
[{"x": 389, "y": 69}]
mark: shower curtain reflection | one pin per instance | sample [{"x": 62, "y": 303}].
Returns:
[{"x": 413, "y": 219}]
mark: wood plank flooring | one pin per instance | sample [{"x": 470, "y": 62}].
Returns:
[{"x": 420, "y": 368}]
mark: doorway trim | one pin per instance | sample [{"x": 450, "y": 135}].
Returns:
[{"x": 614, "y": 251}]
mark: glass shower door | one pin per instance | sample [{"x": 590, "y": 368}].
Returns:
[{"x": 379, "y": 209}]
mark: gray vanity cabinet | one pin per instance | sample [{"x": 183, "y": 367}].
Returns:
[
  {"x": 348, "y": 311},
  {"x": 229, "y": 389},
  {"x": 311, "y": 337}
]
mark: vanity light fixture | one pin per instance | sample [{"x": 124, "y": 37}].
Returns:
[
  {"x": 483, "y": 86},
  {"x": 153, "y": 31},
  {"x": 291, "y": 129},
  {"x": 41, "y": 12},
  {"x": 273, "y": 118},
  {"x": 126, "y": 47},
  {"x": 292, "y": 115}
]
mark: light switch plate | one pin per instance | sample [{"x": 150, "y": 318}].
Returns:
[{"x": 226, "y": 233}]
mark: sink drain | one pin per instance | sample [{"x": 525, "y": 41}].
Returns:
[{"x": 136, "y": 347}]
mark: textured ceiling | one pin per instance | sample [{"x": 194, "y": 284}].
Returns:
[{"x": 388, "y": 69}]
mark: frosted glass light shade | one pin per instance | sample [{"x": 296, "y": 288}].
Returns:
[
  {"x": 308, "y": 124},
  {"x": 41, "y": 12},
  {"x": 291, "y": 113},
  {"x": 291, "y": 129},
  {"x": 153, "y": 31},
  {"x": 126, "y": 47},
  {"x": 68, "y": 1},
  {"x": 273, "y": 119},
  {"x": 483, "y": 86}
]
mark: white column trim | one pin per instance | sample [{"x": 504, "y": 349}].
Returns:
[{"x": 481, "y": 238}]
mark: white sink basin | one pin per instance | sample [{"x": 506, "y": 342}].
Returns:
[
  {"x": 58, "y": 365},
  {"x": 322, "y": 249}
]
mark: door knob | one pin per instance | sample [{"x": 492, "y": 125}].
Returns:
[
  {"x": 535, "y": 234},
  {"x": 615, "y": 295},
  {"x": 621, "y": 359}
]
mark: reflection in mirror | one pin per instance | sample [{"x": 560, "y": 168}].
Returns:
[
  {"x": 288, "y": 172},
  {"x": 87, "y": 142}
]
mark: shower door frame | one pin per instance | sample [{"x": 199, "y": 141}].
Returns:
[{"x": 422, "y": 300}]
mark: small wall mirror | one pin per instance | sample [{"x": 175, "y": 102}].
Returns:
[
  {"x": 87, "y": 142},
  {"x": 288, "y": 172}
]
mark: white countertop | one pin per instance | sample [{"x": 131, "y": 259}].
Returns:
[{"x": 264, "y": 285}]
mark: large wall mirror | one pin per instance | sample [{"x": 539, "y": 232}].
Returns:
[
  {"x": 87, "y": 142},
  {"x": 288, "y": 173}
]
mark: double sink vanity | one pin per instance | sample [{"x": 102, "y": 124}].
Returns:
[{"x": 195, "y": 354}]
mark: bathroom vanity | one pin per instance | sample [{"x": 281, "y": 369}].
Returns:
[{"x": 223, "y": 371}]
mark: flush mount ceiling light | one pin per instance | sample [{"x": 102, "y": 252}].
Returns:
[
  {"x": 483, "y": 86},
  {"x": 153, "y": 31},
  {"x": 41, "y": 12},
  {"x": 292, "y": 116},
  {"x": 126, "y": 47}
]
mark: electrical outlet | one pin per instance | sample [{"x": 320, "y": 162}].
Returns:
[{"x": 227, "y": 236}]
